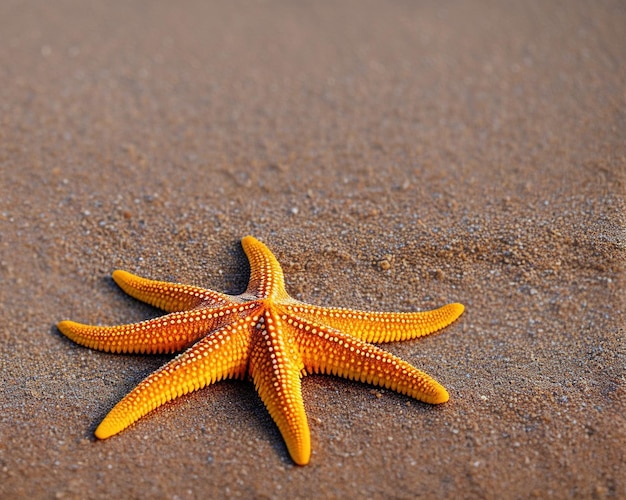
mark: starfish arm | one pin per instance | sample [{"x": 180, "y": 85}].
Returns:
[
  {"x": 379, "y": 327},
  {"x": 218, "y": 356},
  {"x": 276, "y": 373},
  {"x": 325, "y": 350},
  {"x": 266, "y": 275},
  {"x": 170, "y": 297},
  {"x": 165, "y": 334}
]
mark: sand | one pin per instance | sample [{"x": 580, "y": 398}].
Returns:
[{"x": 394, "y": 156}]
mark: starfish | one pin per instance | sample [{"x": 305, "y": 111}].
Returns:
[{"x": 263, "y": 334}]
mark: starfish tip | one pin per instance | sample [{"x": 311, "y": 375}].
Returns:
[
  {"x": 441, "y": 397},
  {"x": 301, "y": 461},
  {"x": 249, "y": 241},
  {"x": 120, "y": 276},
  {"x": 458, "y": 309},
  {"x": 100, "y": 434},
  {"x": 66, "y": 326},
  {"x": 301, "y": 457},
  {"x": 105, "y": 430}
]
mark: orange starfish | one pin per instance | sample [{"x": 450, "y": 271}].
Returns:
[{"x": 264, "y": 334}]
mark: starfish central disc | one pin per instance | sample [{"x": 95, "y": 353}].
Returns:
[{"x": 262, "y": 334}]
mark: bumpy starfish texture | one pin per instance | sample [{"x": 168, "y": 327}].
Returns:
[{"x": 263, "y": 334}]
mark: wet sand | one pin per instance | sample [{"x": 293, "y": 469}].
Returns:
[{"x": 394, "y": 157}]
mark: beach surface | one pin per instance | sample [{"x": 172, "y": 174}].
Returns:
[{"x": 394, "y": 156}]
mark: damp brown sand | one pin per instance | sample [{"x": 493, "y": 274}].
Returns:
[{"x": 394, "y": 157}]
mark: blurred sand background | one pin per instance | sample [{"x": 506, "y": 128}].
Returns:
[{"x": 394, "y": 156}]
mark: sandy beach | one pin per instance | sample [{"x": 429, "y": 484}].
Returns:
[{"x": 395, "y": 157}]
